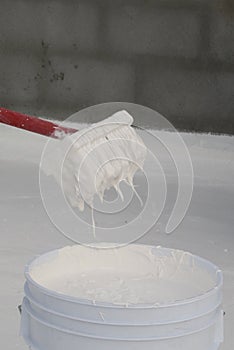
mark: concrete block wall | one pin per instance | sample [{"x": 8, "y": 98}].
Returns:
[{"x": 175, "y": 56}]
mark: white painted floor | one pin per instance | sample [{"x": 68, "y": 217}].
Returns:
[{"x": 26, "y": 230}]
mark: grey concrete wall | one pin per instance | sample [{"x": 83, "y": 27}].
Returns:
[{"x": 175, "y": 56}]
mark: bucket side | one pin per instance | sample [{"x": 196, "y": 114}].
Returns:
[
  {"x": 133, "y": 332},
  {"x": 44, "y": 336}
]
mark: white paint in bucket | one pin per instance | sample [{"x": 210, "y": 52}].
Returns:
[{"x": 139, "y": 297}]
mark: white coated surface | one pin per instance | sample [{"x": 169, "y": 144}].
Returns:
[{"x": 25, "y": 229}]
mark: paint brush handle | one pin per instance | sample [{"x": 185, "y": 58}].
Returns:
[{"x": 33, "y": 124}]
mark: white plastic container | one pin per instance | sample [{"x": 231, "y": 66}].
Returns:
[{"x": 52, "y": 320}]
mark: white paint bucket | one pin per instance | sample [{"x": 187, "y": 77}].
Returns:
[{"x": 191, "y": 319}]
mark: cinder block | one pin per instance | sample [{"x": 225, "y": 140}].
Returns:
[
  {"x": 17, "y": 76},
  {"x": 83, "y": 82},
  {"x": 22, "y": 24},
  {"x": 194, "y": 100},
  {"x": 222, "y": 37},
  {"x": 39, "y": 25},
  {"x": 140, "y": 30},
  {"x": 72, "y": 25}
]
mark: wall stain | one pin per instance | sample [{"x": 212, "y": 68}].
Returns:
[{"x": 48, "y": 72}]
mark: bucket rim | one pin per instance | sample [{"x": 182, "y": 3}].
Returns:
[{"x": 49, "y": 292}]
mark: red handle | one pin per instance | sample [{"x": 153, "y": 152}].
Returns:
[{"x": 33, "y": 124}]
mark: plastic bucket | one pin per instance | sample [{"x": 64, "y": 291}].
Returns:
[{"x": 51, "y": 320}]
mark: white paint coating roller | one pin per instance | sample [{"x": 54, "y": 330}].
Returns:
[{"x": 96, "y": 158}]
